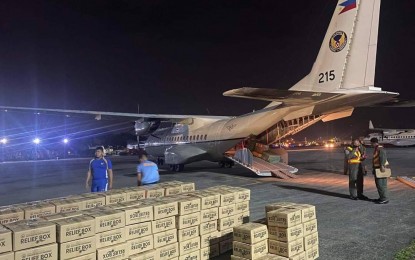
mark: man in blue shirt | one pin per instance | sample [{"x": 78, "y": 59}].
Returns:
[
  {"x": 100, "y": 170},
  {"x": 147, "y": 171}
]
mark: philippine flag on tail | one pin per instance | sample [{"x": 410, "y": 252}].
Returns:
[{"x": 348, "y": 5}]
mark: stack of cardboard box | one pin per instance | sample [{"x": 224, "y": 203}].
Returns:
[
  {"x": 163, "y": 221},
  {"x": 250, "y": 241},
  {"x": 292, "y": 230}
]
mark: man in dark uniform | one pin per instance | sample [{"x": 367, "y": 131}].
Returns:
[
  {"x": 379, "y": 162},
  {"x": 355, "y": 172}
]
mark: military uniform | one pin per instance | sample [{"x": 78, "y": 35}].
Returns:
[
  {"x": 355, "y": 176},
  {"x": 379, "y": 160}
]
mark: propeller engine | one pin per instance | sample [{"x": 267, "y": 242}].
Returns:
[{"x": 146, "y": 126}]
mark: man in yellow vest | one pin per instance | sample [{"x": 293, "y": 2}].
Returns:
[
  {"x": 354, "y": 157},
  {"x": 379, "y": 162}
]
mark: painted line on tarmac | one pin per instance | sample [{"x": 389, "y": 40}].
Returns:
[{"x": 49, "y": 160}]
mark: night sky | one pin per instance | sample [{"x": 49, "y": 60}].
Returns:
[{"x": 178, "y": 57}]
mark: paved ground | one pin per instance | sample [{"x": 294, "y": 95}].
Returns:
[{"x": 347, "y": 229}]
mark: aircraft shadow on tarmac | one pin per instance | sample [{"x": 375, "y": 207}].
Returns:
[{"x": 322, "y": 192}]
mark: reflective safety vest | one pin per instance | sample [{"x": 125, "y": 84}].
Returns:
[
  {"x": 356, "y": 159},
  {"x": 376, "y": 156}
]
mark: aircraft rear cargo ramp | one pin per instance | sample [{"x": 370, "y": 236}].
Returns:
[{"x": 245, "y": 158}]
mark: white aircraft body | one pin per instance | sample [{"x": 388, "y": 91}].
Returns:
[
  {"x": 341, "y": 79},
  {"x": 396, "y": 137}
]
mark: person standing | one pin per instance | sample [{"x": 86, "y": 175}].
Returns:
[
  {"x": 379, "y": 162},
  {"x": 147, "y": 171},
  {"x": 355, "y": 174},
  {"x": 99, "y": 175},
  {"x": 362, "y": 149}
]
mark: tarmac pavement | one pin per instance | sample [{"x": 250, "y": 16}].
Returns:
[{"x": 347, "y": 229}]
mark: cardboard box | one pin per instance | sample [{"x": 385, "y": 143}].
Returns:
[
  {"x": 300, "y": 256},
  {"x": 79, "y": 227},
  {"x": 284, "y": 217},
  {"x": 107, "y": 219},
  {"x": 242, "y": 195},
  {"x": 188, "y": 187},
  {"x": 209, "y": 252},
  {"x": 250, "y": 233},
  {"x": 226, "y": 234},
  {"x": 165, "y": 209},
  {"x": 138, "y": 230},
  {"x": 140, "y": 245},
  {"x": 310, "y": 241},
  {"x": 58, "y": 216},
  {"x": 114, "y": 196},
  {"x": 32, "y": 233},
  {"x": 111, "y": 237},
  {"x": 38, "y": 210},
  {"x": 148, "y": 255},
  {"x": 250, "y": 251},
  {"x": 226, "y": 223},
  {"x": 227, "y": 211},
  {"x": 138, "y": 214},
  {"x": 92, "y": 200},
  {"x": 226, "y": 197},
  {"x": 310, "y": 227},
  {"x": 286, "y": 249},
  {"x": 77, "y": 248},
  {"x": 41, "y": 252},
  {"x": 241, "y": 207},
  {"x": 187, "y": 233},
  {"x": 133, "y": 194},
  {"x": 208, "y": 200},
  {"x": 225, "y": 246},
  {"x": 154, "y": 191},
  {"x": 67, "y": 205},
  {"x": 207, "y": 215},
  {"x": 165, "y": 224},
  {"x": 188, "y": 205},
  {"x": 113, "y": 252},
  {"x": 168, "y": 252},
  {"x": 189, "y": 246},
  {"x": 195, "y": 255},
  {"x": 92, "y": 256},
  {"x": 278, "y": 205},
  {"x": 165, "y": 238},
  {"x": 189, "y": 220},
  {"x": 286, "y": 234},
  {"x": 7, "y": 256},
  {"x": 10, "y": 215},
  {"x": 5, "y": 240},
  {"x": 174, "y": 189},
  {"x": 208, "y": 227},
  {"x": 308, "y": 212},
  {"x": 242, "y": 218},
  {"x": 210, "y": 239},
  {"x": 312, "y": 253}
]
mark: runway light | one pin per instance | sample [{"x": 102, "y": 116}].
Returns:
[
  {"x": 66, "y": 140},
  {"x": 3, "y": 141},
  {"x": 36, "y": 141}
]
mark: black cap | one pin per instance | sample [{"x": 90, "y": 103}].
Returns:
[{"x": 374, "y": 140}]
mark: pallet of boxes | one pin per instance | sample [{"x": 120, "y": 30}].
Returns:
[
  {"x": 163, "y": 221},
  {"x": 290, "y": 233}
]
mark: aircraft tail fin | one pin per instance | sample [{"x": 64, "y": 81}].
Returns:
[
  {"x": 347, "y": 56},
  {"x": 371, "y": 125}
]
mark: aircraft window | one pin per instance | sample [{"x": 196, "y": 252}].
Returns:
[{"x": 205, "y": 137}]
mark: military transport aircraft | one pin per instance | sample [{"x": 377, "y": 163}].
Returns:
[
  {"x": 341, "y": 79},
  {"x": 396, "y": 137}
]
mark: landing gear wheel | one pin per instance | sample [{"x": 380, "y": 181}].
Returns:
[
  {"x": 178, "y": 167},
  {"x": 228, "y": 164}
]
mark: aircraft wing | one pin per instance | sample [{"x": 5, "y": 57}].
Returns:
[
  {"x": 287, "y": 97},
  {"x": 98, "y": 114}
]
